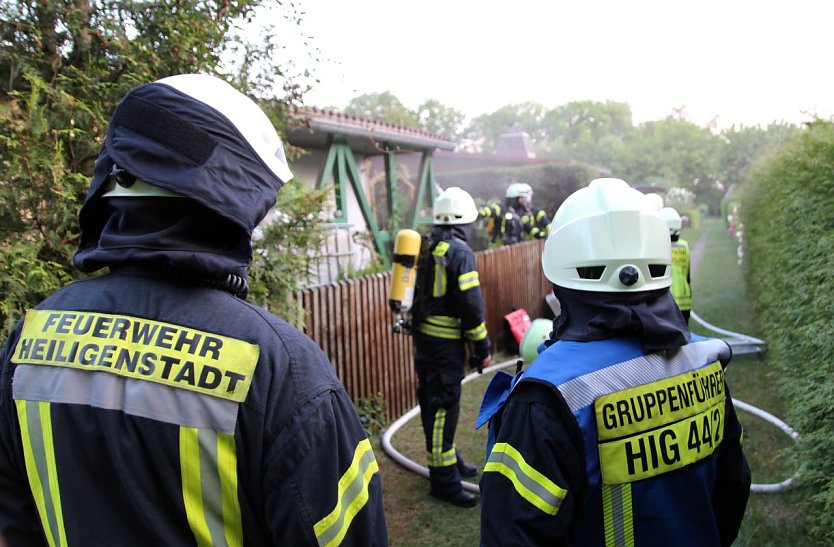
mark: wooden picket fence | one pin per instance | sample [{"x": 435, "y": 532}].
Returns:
[{"x": 352, "y": 323}]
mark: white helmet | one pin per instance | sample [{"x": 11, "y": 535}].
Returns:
[
  {"x": 673, "y": 220},
  {"x": 608, "y": 237},
  {"x": 656, "y": 199},
  {"x": 454, "y": 206},
  {"x": 519, "y": 189}
]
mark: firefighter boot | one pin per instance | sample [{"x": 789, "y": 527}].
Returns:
[
  {"x": 445, "y": 485},
  {"x": 461, "y": 498},
  {"x": 466, "y": 470}
]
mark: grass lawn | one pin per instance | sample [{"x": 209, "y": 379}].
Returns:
[{"x": 416, "y": 519}]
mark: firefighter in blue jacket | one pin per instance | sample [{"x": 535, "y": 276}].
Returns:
[
  {"x": 681, "y": 284},
  {"x": 622, "y": 430},
  {"x": 153, "y": 405},
  {"x": 448, "y": 315}
]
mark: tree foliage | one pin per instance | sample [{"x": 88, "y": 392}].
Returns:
[
  {"x": 674, "y": 152},
  {"x": 671, "y": 153},
  {"x": 526, "y": 117},
  {"x": 64, "y": 65},
  {"x": 382, "y": 106},
  {"x": 287, "y": 251},
  {"x": 444, "y": 120},
  {"x": 580, "y": 122},
  {"x": 744, "y": 146},
  {"x": 588, "y": 131},
  {"x": 431, "y": 115}
]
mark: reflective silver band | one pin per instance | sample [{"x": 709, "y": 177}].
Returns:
[
  {"x": 584, "y": 390},
  {"x": 131, "y": 396}
]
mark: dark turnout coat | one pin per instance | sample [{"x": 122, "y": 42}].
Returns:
[{"x": 141, "y": 411}]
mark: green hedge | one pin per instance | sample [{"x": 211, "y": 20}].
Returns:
[
  {"x": 789, "y": 243},
  {"x": 551, "y": 183}
]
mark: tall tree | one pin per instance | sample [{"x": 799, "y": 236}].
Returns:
[
  {"x": 527, "y": 117},
  {"x": 383, "y": 106},
  {"x": 64, "y": 64},
  {"x": 674, "y": 152},
  {"x": 578, "y": 122},
  {"x": 438, "y": 118},
  {"x": 588, "y": 131}
]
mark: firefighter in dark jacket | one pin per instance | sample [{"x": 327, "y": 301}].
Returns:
[
  {"x": 622, "y": 430},
  {"x": 153, "y": 405},
  {"x": 448, "y": 315},
  {"x": 534, "y": 221},
  {"x": 518, "y": 219}
]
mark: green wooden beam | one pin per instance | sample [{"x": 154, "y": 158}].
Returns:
[
  {"x": 391, "y": 190},
  {"x": 334, "y": 169},
  {"x": 427, "y": 182},
  {"x": 365, "y": 206},
  {"x": 340, "y": 167}
]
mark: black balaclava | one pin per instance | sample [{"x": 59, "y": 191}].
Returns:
[
  {"x": 196, "y": 136},
  {"x": 651, "y": 316},
  {"x": 174, "y": 236},
  {"x": 440, "y": 232}
]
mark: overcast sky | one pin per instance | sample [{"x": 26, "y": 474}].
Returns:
[{"x": 744, "y": 62}]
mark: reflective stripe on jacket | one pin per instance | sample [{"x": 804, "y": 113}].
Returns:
[{"x": 681, "y": 289}]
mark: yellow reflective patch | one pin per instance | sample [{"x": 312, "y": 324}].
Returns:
[
  {"x": 443, "y": 320},
  {"x": 439, "y": 332},
  {"x": 138, "y": 348},
  {"x": 478, "y": 333},
  {"x": 468, "y": 280},
  {"x": 662, "y": 426},
  {"x": 528, "y": 482},
  {"x": 35, "y": 420},
  {"x": 441, "y": 248},
  {"x": 192, "y": 485},
  {"x": 617, "y": 515},
  {"x": 353, "y": 493}
]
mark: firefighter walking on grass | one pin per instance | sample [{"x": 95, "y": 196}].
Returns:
[
  {"x": 153, "y": 405},
  {"x": 622, "y": 431},
  {"x": 448, "y": 315}
]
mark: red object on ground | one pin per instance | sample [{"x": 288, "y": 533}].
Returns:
[{"x": 519, "y": 321}]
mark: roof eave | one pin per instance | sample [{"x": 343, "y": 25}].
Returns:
[{"x": 380, "y": 135}]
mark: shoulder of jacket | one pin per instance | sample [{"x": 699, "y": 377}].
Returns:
[{"x": 460, "y": 246}]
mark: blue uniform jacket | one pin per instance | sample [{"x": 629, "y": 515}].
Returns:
[{"x": 599, "y": 444}]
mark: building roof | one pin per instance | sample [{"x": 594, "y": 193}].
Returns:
[
  {"x": 314, "y": 128},
  {"x": 516, "y": 143}
]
